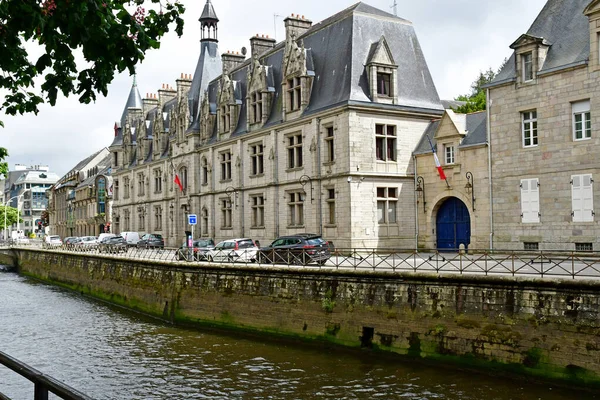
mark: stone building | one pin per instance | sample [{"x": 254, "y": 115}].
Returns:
[
  {"x": 77, "y": 198},
  {"x": 313, "y": 134},
  {"x": 544, "y": 136},
  {"x": 456, "y": 210}
]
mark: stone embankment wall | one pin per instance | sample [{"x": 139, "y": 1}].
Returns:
[{"x": 543, "y": 328}]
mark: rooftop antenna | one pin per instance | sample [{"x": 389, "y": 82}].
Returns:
[
  {"x": 395, "y": 7},
  {"x": 275, "y": 16}
]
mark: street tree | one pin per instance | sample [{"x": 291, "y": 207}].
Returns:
[
  {"x": 11, "y": 216},
  {"x": 111, "y": 35}
]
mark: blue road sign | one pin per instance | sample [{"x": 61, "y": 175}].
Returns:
[{"x": 192, "y": 219}]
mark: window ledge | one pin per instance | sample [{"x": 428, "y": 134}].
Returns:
[
  {"x": 295, "y": 227},
  {"x": 387, "y": 162},
  {"x": 225, "y": 180},
  {"x": 257, "y": 175},
  {"x": 226, "y": 228},
  {"x": 328, "y": 163},
  {"x": 258, "y": 227},
  {"x": 294, "y": 169},
  {"x": 330, "y": 225}
]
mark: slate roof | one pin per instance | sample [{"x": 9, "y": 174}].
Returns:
[
  {"x": 208, "y": 13},
  {"x": 103, "y": 169},
  {"x": 562, "y": 24},
  {"x": 475, "y": 124},
  {"x": 133, "y": 100},
  {"x": 209, "y": 66}
]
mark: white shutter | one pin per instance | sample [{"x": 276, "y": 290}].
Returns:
[
  {"x": 530, "y": 201},
  {"x": 582, "y": 198}
]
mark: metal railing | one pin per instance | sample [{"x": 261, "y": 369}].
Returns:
[
  {"x": 43, "y": 384},
  {"x": 556, "y": 264}
]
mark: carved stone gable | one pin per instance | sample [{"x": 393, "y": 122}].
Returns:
[
  {"x": 257, "y": 77},
  {"x": 382, "y": 54},
  {"x": 227, "y": 94},
  {"x": 295, "y": 59}
]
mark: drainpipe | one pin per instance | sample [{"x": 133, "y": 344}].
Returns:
[
  {"x": 241, "y": 184},
  {"x": 320, "y": 204},
  {"x": 276, "y": 180},
  {"x": 489, "y": 149},
  {"x": 416, "y": 204}
]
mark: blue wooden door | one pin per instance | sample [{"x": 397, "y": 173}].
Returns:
[{"x": 453, "y": 225}]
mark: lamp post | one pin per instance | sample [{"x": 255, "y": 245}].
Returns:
[
  {"x": 230, "y": 190},
  {"x": 470, "y": 187},
  {"x": 304, "y": 179},
  {"x": 420, "y": 189},
  {"x": 6, "y": 205}
]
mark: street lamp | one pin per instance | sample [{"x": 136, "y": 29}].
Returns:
[
  {"x": 6, "y": 204},
  {"x": 304, "y": 179},
  {"x": 421, "y": 191},
  {"x": 470, "y": 187},
  {"x": 230, "y": 190}
]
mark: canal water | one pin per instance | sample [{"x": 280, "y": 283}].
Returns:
[{"x": 110, "y": 353}]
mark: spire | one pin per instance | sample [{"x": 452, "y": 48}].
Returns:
[
  {"x": 134, "y": 100},
  {"x": 208, "y": 22}
]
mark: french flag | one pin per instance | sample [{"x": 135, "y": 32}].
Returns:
[{"x": 437, "y": 161}]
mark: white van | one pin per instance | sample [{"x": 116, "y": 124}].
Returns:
[{"x": 131, "y": 238}]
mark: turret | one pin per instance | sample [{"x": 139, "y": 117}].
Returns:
[{"x": 208, "y": 23}]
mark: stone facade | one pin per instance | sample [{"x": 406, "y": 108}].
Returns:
[
  {"x": 557, "y": 159},
  {"x": 272, "y": 146}
]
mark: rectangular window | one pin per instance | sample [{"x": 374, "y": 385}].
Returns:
[
  {"x": 204, "y": 222},
  {"x": 527, "y": 66},
  {"x": 530, "y": 201},
  {"x": 584, "y": 247},
  {"x": 531, "y": 246},
  {"x": 255, "y": 107},
  {"x": 385, "y": 142},
  {"x": 226, "y": 166},
  {"x": 449, "y": 154},
  {"x": 257, "y": 157},
  {"x": 258, "y": 211},
  {"x": 116, "y": 195},
  {"x": 225, "y": 119},
  {"x": 582, "y": 198},
  {"x": 582, "y": 120},
  {"x": 226, "y": 213},
  {"x": 126, "y": 188},
  {"x": 294, "y": 91},
  {"x": 158, "y": 218},
  {"x": 331, "y": 206},
  {"x": 141, "y": 184},
  {"x": 296, "y": 208},
  {"x": 294, "y": 148},
  {"x": 383, "y": 84},
  {"x": 329, "y": 145},
  {"x": 387, "y": 203},
  {"x": 529, "y": 127},
  {"x": 157, "y": 180},
  {"x": 204, "y": 171}
]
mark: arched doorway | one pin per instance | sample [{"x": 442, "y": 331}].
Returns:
[{"x": 453, "y": 225}]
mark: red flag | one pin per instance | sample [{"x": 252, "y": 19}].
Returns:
[{"x": 178, "y": 182}]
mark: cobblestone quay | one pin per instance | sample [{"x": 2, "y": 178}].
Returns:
[{"x": 542, "y": 328}]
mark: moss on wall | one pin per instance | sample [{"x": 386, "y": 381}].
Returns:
[{"x": 524, "y": 327}]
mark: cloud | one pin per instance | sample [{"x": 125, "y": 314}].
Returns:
[{"x": 459, "y": 39}]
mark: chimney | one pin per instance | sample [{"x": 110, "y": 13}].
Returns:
[
  {"x": 183, "y": 85},
  {"x": 295, "y": 26},
  {"x": 149, "y": 102},
  {"x": 260, "y": 45},
  {"x": 231, "y": 60},
  {"x": 165, "y": 93}
]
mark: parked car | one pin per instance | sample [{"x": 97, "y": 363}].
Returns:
[
  {"x": 71, "y": 242},
  {"x": 103, "y": 236},
  {"x": 233, "y": 250},
  {"x": 303, "y": 248},
  {"x": 200, "y": 249},
  {"x": 151, "y": 240},
  {"x": 52, "y": 241},
  {"x": 113, "y": 244},
  {"x": 132, "y": 238},
  {"x": 87, "y": 243}
]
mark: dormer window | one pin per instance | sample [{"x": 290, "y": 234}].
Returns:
[
  {"x": 382, "y": 73},
  {"x": 294, "y": 91},
  {"x": 527, "y": 60},
  {"x": 225, "y": 119},
  {"x": 256, "y": 107},
  {"x": 383, "y": 84}
]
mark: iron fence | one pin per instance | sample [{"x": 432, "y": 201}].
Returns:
[
  {"x": 556, "y": 264},
  {"x": 43, "y": 384}
]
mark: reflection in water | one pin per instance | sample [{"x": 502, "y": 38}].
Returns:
[{"x": 109, "y": 353}]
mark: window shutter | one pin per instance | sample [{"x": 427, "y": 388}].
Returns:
[
  {"x": 530, "y": 201},
  {"x": 582, "y": 198},
  {"x": 577, "y": 198}
]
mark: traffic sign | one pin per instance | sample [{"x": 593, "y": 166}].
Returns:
[{"x": 192, "y": 219}]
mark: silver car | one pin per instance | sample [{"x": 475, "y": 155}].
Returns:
[{"x": 232, "y": 250}]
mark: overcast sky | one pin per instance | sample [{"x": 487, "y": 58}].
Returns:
[{"x": 459, "y": 38}]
